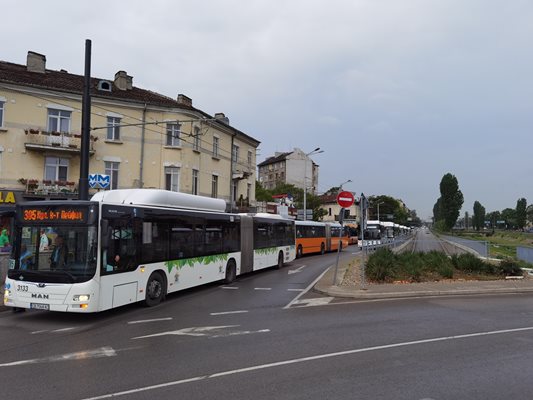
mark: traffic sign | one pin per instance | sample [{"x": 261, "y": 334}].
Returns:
[{"x": 345, "y": 199}]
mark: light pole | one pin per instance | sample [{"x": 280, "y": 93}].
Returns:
[
  {"x": 344, "y": 183},
  {"x": 315, "y": 151},
  {"x": 378, "y": 208}
]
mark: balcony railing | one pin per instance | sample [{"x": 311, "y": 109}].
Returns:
[
  {"x": 71, "y": 142},
  {"x": 49, "y": 187}
]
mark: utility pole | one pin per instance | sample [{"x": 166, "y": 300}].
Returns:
[{"x": 83, "y": 185}]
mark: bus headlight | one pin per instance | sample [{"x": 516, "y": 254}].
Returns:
[
  {"x": 81, "y": 297},
  {"x": 7, "y": 293}
]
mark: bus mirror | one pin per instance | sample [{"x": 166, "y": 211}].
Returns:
[{"x": 105, "y": 233}]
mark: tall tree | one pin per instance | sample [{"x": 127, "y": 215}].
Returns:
[
  {"x": 521, "y": 213},
  {"x": 529, "y": 212},
  {"x": 478, "y": 219},
  {"x": 451, "y": 200},
  {"x": 509, "y": 216}
]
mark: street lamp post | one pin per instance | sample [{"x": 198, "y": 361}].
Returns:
[
  {"x": 378, "y": 208},
  {"x": 315, "y": 151}
]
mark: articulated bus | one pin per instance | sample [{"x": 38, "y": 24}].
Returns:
[
  {"x": 319, "y": 237},
  {"x": 130, "y": 245}
]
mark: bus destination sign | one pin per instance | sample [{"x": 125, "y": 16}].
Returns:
[{"x": 54, "y": 215}]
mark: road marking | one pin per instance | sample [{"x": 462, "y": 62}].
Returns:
[
  {"x": 236, "y": 333},
  {"x": 63, "y": 330},
  {"x": 142, "y": 321},
  {"x": 229, "y": 312},
  {"x": 36, "y": 332},
  {"x": 319, "y": 301},
  {"x": 296, "y": 270},
  {"x": 193, "y": 331},
  {"x": 262, "y": 288},
  {"x": 305, "y": 290},
  {"x": 295, "y": 290},
  {"x": 307, "y": 359},
  {"x": 80, "y": 355},
  {"x": 229, "y": 287}
]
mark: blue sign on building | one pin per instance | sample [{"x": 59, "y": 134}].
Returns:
[{"x": 99, "y": 181}]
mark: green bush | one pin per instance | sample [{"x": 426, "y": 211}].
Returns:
[
  {"x": 381, "y": 265},
  {"x": 510, "y": 267},
  {"x": 469, "y": 263}
]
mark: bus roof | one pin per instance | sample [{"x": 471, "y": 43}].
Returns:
[{"x": 162, "y": 198}]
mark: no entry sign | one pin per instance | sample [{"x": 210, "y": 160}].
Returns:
[{"x": 345, "y": 199}]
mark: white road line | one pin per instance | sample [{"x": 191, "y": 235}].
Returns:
[
  {"x": 142, "y": 321},
  {"x": 307, "y": 359},
  {"x": 36, "y": 332},
  {"x": 262, "y": 288},
  {"x": 63, "y": 330},
  {"x": 229, "y": 312},
  {"x": 319, "y": 301},
  {"x": 295, "y": 290},
  {"x": 229, "y": 287},
  {"x": 80, "y": 355},
  {"x": 306, "y": 289}
]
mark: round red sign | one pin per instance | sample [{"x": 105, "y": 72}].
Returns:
[{"x": 345, "y": 199}]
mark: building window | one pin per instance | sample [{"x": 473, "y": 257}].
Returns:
[
  {"x": 1, "y": 114},
  {"x": 196, "y": 139},
  {"x": 249, "y": 157},
  {"x": 59, "y": 120},
  {"x": 55, "y": 168},
  {"x": 172, "y": 179},
  {"x": 215, "y": 146},
  {"x": 329, "y": 212},
  {"x": 195, "y": 181},
  {"x": 214, "y": 186},
  {"x": 233, "y": 191},
  {"x": 173, "y": 134},
  {"x": 111, "y": 169},
  {"x": 113, "y": 128},
  {"x": 248, "y": 192},
  {"x": 235, "y": 153}
]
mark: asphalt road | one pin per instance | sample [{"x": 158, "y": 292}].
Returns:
[{"x": 257, "y": 339}]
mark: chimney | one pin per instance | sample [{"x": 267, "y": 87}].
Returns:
[
  {"x": 36, "y": 62},
  {"x": 222, "y": 118},
  {"x": 123, "y": 81},
  {"x": 184, "y": 100}
]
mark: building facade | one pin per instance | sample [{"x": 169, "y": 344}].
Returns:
[
  {"x": 139, "y": 138},
  {"x": 292, "y": 168}
]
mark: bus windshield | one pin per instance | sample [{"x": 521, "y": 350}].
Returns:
[{"x": 57, "y": 253}]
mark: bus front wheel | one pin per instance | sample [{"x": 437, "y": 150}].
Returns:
[
  {"x": 154, "y": 290},
  {"x": 231, "y": 272}
]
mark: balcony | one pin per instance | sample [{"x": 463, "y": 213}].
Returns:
[
  {"x": 39, "y": 140},
  {"x": 49, "y": 189}
]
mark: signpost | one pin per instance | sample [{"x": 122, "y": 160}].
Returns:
[{"x": 345, "y": 200}]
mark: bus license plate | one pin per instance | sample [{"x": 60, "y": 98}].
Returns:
[{"x": 40, "y": 306}]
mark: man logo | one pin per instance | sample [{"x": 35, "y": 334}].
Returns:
[{"x": 39, "y": 296}]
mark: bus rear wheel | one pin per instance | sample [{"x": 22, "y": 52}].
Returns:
[
  {"x": 280, "y": 260},
  {"x": 154, "y": 290},
  {"x": 231, "y": 272},
  {"x": 299, "y": 252}
]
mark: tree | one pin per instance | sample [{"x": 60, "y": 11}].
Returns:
[
  {"x": 529, "y": 212},
  {"x": 509, "y": 216},
  {"x": 450, "y": 202},
  {"x": 262, "y": 194},
  {"x": 478, "y": 219},
  {"x": 521, "y": 213}
]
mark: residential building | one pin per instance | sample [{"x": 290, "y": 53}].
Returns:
[
  {"x": 332, "y": 209},
  {"x": 139, "y": 138},
  {"x": 294, "y": 168}
]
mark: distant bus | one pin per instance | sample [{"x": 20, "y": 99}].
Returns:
[
  {"x": 353, "y": 233},
  {"x": 371, "y": 234},
  {"x": 131, "y": 245},
  {"x": 319, "y": 237}
]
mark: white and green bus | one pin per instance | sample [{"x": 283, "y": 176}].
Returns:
[{"x": 132, "y": 245}]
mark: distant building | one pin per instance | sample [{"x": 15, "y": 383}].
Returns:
[
  {"x": 328, "y": 203},
  {"x": 292, "y": 168}
]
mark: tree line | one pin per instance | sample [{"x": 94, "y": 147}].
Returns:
[{"x": 446, "y": 211}]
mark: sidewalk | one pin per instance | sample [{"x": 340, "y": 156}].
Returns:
[{"x": 403, "y": 290}]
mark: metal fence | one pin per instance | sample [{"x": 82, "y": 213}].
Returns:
[
  {"x": 524, "y": 254},
  {"x": 479, "y": 247}
]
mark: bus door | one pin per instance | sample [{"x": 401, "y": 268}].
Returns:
[{"x": 247, "y": 244}]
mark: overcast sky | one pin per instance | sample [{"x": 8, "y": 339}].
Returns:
[{"x": 396, "y": 92}]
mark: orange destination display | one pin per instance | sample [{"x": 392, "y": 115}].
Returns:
[{"x": 55, "y": 214}]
